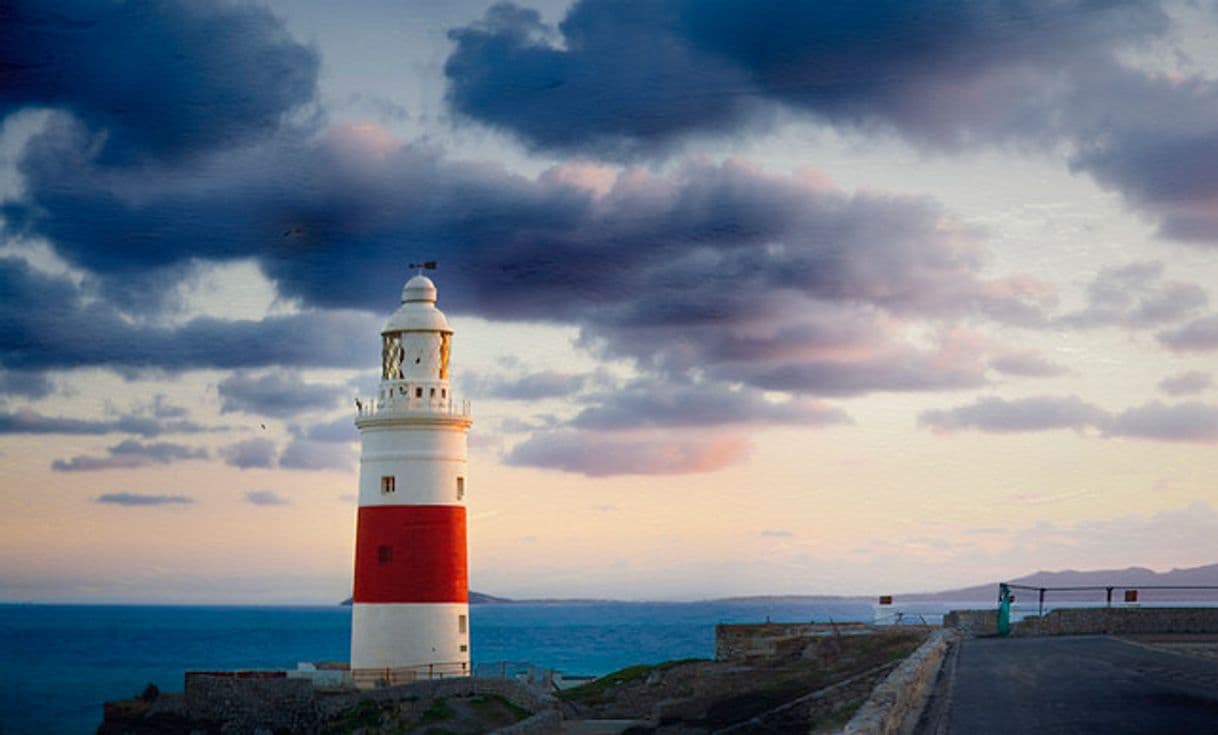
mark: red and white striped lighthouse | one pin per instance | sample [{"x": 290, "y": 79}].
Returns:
[{"x": 411, "y": 613}]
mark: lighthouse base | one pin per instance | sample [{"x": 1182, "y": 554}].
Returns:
[{"x": 396, "y": 643}]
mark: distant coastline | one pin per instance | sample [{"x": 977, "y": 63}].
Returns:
[{"x": 1129, "y": 577}]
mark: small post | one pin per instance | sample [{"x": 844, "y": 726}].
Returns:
[
  {"x": 1004, "y": 609},
  {"x": 1109, "y": 603},
  {"x": 1040, "y": 612}
]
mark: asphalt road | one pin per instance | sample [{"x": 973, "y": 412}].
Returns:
[{"x": 1076, "y": 685}]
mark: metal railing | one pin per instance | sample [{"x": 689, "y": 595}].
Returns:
[
  {"x": 369, "y": 678},
  {"x": 1107, "y": 590}
]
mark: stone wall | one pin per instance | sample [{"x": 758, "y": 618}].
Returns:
[
  {"x": 1090, "y": 621},
  {"x": 1120, "y": 621},
  {"x": 896, "y": 703},
  {"x": 515, "y": 692},
  {"x": 250, "y": 700},
  {"x": 972, "y": 623},
  {"x": 740, "y": 641}
]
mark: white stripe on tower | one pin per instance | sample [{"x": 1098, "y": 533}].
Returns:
[{"x": 411, "y": 603}]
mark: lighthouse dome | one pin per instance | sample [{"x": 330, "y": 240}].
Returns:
[{"x": 418, "y": 311}]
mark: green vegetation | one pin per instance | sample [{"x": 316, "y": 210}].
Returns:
[
  {"x": 439, "y": 711},
  {"x": 598, "y": 690},
  {"x": 837, "y": 719},
  {"x": 492, "y": 708}
]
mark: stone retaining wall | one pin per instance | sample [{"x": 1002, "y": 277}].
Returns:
[
  {"x": 249, "y": 701},
  {"x": 734, "y": 642},
  {"x": 896, "y": 703},
  {"x": 1090, "y": 621}
]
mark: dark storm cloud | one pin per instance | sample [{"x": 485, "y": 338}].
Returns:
[
  {"x": 28, "y": 421},
  {"x": 279, "y": 393},
  {"x": 131, "y": 454},
  {"x": 1193, "y": 381},
  {"x": 1135, "y": 296},
  {"x": 1199, "y": 335},
  {"x": 249, "y": 453},
  {"x": 143, "y": 499},
  {"x": 48, "y": 322},
  {"x": 155, "y": 79},
  {"x": 1183, "y": 422},
  {"x": 1033, "y": 74},
  {"x": 756, "y": 276},
  {"x": 655, "y": 403},
  {"x": 996, "y": 415},
  {"x": 598, "y": 454},
  {"x": 614, "y": 80}
]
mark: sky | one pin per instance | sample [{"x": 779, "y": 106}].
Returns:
[{"x": 748, "y": 297}]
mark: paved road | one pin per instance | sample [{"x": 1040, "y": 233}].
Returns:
[{"x": 1075, "y": 685}]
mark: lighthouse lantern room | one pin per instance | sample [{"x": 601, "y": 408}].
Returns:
[{"x": 410, "y": 617}]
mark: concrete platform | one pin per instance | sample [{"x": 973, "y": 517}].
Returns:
[{"x": 1072, "y": 685}]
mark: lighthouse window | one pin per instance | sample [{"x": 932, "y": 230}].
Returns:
[
  {"x": 418, "y": 392},
  {"x": 433, "y": 393},
  {"x": 388, "y": 485},
  {"x": 444, "y": 392},
  {"x": 461, "y": 624},
  {"x": 460, "y": 488},
  {"x": 384, "y": 554}
]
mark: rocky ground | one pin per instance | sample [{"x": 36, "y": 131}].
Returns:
[{"x": 806, "y": 686}]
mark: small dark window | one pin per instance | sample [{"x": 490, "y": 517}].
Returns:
[
  {"x": 461, "y": 625},
  {"x": 433, "y": 393},
  {"x": 460, "y": 488},
  {"x": 388, "y": 485},
  {"x": 464, "y": 648},
  {"x": 418, "y": 392},
  {"x": 444, "y": 392},
  {"x": 384, "y": 554}
]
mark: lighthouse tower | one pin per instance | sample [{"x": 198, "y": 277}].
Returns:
[{"x": 411, "y": 605}]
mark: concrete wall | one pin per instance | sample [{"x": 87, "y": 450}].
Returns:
[
  {"x": 972, "y": 623},
  {"x": 896, "y": 703}
]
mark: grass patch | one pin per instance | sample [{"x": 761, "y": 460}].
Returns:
[
  {"x": 497, "y": 710},
  {"x": 597, "y": 689},
  {"x": 837, "y": 719},
  {"x": 439, "y": 711}
]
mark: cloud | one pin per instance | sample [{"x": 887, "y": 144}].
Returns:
[
  {"x": 775, "y": 533},
  {"x": 1193, "y": 381},
  {"x": 1199, "y": 335},
  {"x": 131, "y": 454},
  {"x": 530, "y": 387},
  {"x": 655, "y": 403},
  {"x": 1134, "y": 296},
  {"x": 156, "y": 79},
  {"x": 1039, "y": 75},
  {"x": 278, "y": 393},
  {"x": 996, "y": 415},
  {"x": 249, "y": 453},
  {"x": 341, "y": 429},
  {"x": 29, "y": 421},
  {"x": 1183, "y": 422},
  {"x": 598, "y": 454},
  {"x": 1026, "y": 364},
  {"x": 140, "y": 499},
  {"x": 24, "y": 383},
  {"x": 40, "y": 308},
  {"x": 303, "y": 454},
  {"x": 265, "y": 497}
]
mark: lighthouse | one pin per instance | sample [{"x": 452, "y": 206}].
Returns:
[{"x": 410, "y": 617}]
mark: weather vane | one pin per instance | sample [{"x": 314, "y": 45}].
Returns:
[{"x": 426, "y": 265}]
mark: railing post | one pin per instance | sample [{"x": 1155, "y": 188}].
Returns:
[
  {"x": 1040, "y": 613},
  {"x": 1109, "y": 604}
]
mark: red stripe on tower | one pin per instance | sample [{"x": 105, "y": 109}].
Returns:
[{"x": 411, "y": 553}]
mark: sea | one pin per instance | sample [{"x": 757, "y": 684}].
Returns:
[{"x": 59, "y": 663}]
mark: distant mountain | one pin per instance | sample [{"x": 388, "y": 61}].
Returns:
[
  {"x": 475, "y": 598},
  {"x": 1130, "y": 578},
  {"x": 1119, "y": 579}
]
